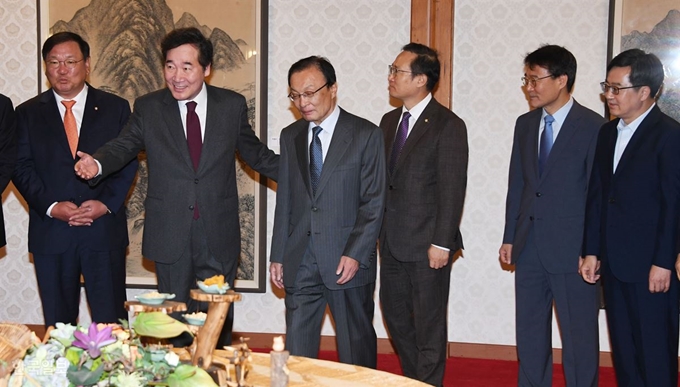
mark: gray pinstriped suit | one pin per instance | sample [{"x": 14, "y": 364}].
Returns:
[{"x": 312, "y": 232}]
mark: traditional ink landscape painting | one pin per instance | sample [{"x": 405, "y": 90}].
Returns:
[
  {"x": 124, "y": 38},
  {"x": 653, "y": 26}
]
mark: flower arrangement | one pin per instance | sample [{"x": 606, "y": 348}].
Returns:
[{"x": 109, "y": 355}]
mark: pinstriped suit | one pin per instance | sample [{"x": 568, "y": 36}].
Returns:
[{"x": 312, "y": 232}]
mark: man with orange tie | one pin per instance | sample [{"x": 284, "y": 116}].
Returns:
[{"x": 74, "y": 229}]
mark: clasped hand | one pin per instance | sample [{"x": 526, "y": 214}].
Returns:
[{"x": 74, "y": 215}]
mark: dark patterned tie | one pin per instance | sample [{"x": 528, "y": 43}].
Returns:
[
  {"x": 546, "y": 143},
  {"x": 315, "y": 158},
  {"x": 194, "y": 141},
  {"x": 399, "y": 140}
]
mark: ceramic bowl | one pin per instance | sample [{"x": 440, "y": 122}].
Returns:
[
  {"x": 197, "y": 319},
  {"x": 154, "y": 298},
  {"x": 213, "y": 289}
]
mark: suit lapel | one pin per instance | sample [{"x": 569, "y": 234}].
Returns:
[
  {"x": 390, "y": 130},
  {"x": 534, "y": 126},
  {"x": 89, "y": 117},
  {"x": 567, "y": 131},
  {"x": 53, "y": 121},
  {"x": 174, "y": 126},
  {"x": 638, "y": 138},
  {"x": 301, "y": 152},
  {"x": 342, "y": 137},
  {"x": 214, "y": 116},
  {"x": 419, "y": 129}
]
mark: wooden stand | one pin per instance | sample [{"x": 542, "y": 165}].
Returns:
[
  {"x": 166, "y": 307},
  {"x": 210, "y": 331}
]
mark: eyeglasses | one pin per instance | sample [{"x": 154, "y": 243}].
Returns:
[
  {"x": 69, "y": 63},
  {"x": 307, "y": 94},
  {"x": 614, "y": 89},
  {"x": 393, "y": 70},
  {"x": 526, "y": 81}
]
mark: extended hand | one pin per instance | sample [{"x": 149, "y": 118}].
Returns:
[
  {"x": 348, "y": 267},
  {"x": 659, "y": 279},
  {"x": 86, "y": 168},
  {"x": 677, "y": 266},
  {"x": 90, "y": 211},
  {"x": 505, "y": 253},
  {"x": 438, "y": 257},
  {"x": 589, "y": 268},
  {"x": 276, "y": 274}
]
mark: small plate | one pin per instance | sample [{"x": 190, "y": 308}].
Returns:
[
  {"x": 213, "y": 289},
  {"x": 156, "y": 299}
]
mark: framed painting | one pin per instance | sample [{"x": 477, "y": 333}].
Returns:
[
  {"x": 652, "y": 26},
  {"x": 124, "y": 38}
]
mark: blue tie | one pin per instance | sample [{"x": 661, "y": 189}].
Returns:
[
  {"x": 315, "y": 159},
  {"x": 546, "y": 143}
]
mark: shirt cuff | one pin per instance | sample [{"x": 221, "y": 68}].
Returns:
[
  {"x": 49, "y": 209},
  {"x": 441, "y": 248},
  {"x": 99, "y": 168}
]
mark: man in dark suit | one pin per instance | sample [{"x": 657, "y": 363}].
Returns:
[
  {"x": 632, "y": 223},
  {"x": 552, "y": 156},
  {"x": 329, "y": 206},
  {"x": 73, "y": 229},
  {"x": 427, "y": 155},
  {"x": 8, "y": 151},
  {"x": 191, "y": 132}
]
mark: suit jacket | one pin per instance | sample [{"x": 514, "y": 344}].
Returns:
[
  {"x": 554, "y": 203},
  {"x": 44, "y": 172},
  {"x": 632, "y": 214},
  {"x": 8, "y": 151},
  {"x": 174, "y": 186},
  {"x": 426, "y": 189},
  {"x": 344, "y": 216}
]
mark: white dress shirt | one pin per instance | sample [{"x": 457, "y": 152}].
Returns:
[
  {"x": 326, "y": 135},
  {"x": 625, "y": 133}
]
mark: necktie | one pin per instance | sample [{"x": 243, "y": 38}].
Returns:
[
  {"x": 546, "y": 143},
  {"x": 399, "y": 140},
  {"x": 194, "y": 141},
  {"x": 315, "y": 158},
  {"x": 70, "y": 127},
  {"x": 194, "y": 134}
]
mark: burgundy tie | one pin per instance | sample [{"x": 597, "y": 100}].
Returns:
[
  {"x": 399, "y": 140},
  {"x": 194, "y": 141}
]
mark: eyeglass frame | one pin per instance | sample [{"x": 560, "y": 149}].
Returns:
[
  {"x": 526, "y": 81},
  {"x": 393, "y": 70},
  {"x": 615, "y": 90},
  {"x": 307, "y": 94},
  {"x": 55, "y": 64}
]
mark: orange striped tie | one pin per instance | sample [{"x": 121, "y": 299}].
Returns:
[{"x": 71, "y": 127}]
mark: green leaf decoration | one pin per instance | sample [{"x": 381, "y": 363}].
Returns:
[
  {"x": 84, "y": 376},
  {"x": 190, "y": 376},
  {"x": 158, "y": 325}
]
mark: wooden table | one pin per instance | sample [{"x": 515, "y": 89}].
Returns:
[{"x": 306, "y": 372}]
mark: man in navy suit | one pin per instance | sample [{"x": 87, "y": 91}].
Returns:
[
  {"x": 8, "y": 151},
  {"x": 632, "y": 223},
  {"x": 544, "y": 218},
  {"x": 73, "y": 229}
]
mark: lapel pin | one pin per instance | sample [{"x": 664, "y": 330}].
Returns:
[
  {"x": 427, "y": 120},
  {"x": 96, "y": 108}
]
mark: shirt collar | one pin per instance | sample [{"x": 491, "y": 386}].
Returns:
[
  {"x": 329, "y": 123},
  {"x": 636, "y": 122},
  {"x": 80, "y": 98},
  {"x": 561, "y": 114},
  {"x": 417, "y": 110}
]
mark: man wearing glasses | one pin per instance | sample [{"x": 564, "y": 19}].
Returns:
[
  {"x": 427, "y": 154},
  {"x": 329, "y": 207},
  {"x": 632, "y": 223},
  {"x": 73, "y": 229},
  {"x": 552, "y": 156}
]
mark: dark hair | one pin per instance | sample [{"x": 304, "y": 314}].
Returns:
[
  {"x": 63, "y": 37},
  {"x": 426, "y": 63},
  {"x": 557, "y": 60},
  {"x": 320, "y": 63},
  {"x": 190, "y": 35},
  {"x": 645, "y": 68}
]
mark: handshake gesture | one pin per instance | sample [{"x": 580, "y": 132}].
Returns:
[{"x": 86, "y": 168}]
